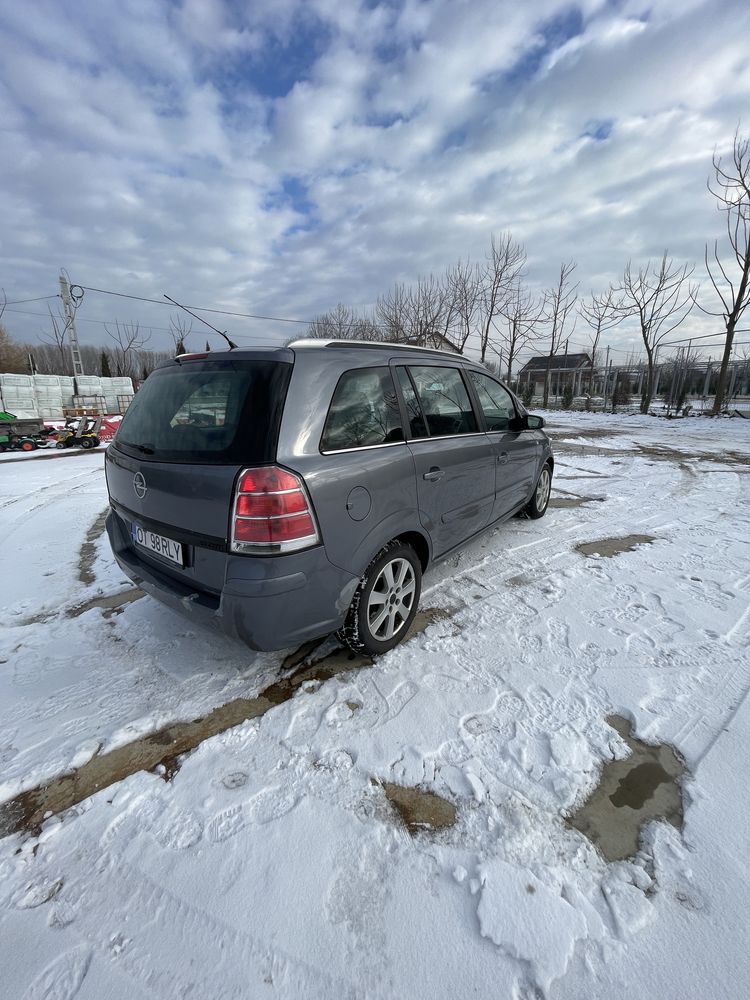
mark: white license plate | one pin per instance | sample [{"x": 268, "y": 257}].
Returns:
[{"x": 162, "y": 546}]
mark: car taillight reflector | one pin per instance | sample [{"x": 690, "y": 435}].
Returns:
[
  {"x": 271, "y": 504},
  {"x": 269, "y": 529},
  {"x": 272, "y": 512}
]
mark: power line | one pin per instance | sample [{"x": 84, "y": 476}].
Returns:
[
  {"x": 39, "y": 298},
  {"x": 109, "y": 322},
  {"x": 298, "y": 322},
  {"x": 218, "y": 312}
]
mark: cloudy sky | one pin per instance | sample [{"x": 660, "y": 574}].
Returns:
[{"x": 279, "y": 157}]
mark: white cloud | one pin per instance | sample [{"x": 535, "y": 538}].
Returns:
[{"x": 280, "y": 157}]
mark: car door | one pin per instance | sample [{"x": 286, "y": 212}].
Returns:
[
  {"x": 516, "y": 452},
  {"x": 454, "y": 463}
]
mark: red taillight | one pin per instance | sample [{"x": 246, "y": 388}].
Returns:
[
  {"x": 271, "y": 504},
  {"x": 271, "y": 510}
]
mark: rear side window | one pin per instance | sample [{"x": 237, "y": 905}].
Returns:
[
  {"x": 207, "y": 413},
  {"x": 495, "y": 401},
  {"x": 445, "y": 401},
  {"x": 364, "y": 411}
]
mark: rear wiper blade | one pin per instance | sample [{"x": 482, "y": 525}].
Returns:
[{"x": 147, "y": 449}]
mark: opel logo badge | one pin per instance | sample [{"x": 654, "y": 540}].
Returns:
[{"x": 139, "y": 485}]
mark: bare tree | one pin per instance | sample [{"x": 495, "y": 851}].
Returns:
[
  {"x": 661, "y": 297},
  {"x": 342, "y": 323},
  {"x": 731, "y": 188},
  {"x": 56, "y": 336},
  {"x": 601, "y": 314},
  {"x": 503, "y": 267},
  {"x": 464, "y": 291},
  {"x": 12, "y": 355},
  {"x": 129, "y": 341},
  {"x": 392, "y": 313},
  {"x": 430, "y": 312},
  {"x": 420, "y": 314},
  {"x": 180, "y": 328},
  {"x": 521, "y": 315},
  {"x": 559, "y": 313}
]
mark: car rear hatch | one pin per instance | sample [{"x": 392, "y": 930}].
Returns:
[{"x": 172, "y": 467}]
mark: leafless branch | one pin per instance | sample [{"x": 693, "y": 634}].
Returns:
[
  {"x": 731, "y": 188},
  {"x": 661, "y": 296},
  {"x": 559, "y": 305},
  {"x": 129, "y": 341}
]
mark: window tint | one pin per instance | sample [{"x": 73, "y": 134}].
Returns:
[
  {"x": 495, "y": 401},
  {"x": 445, "y": 401},
  {"x": 417, "y": 426},
  {"x": 207, "y": 412},
  {"x": 364, "y": 411}
]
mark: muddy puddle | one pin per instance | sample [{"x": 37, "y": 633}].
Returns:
[
  {"x": 87, "y": 553},
  {"x": 646, "y": 786},
  {"x": 418, "y": 809},
  {"x": 574, "y": 443},
  {"x": 567, "y": 502},
  {"x": 608, "y": 547},
  {"x": 162, "y": 749},
  {"x": 111, "y": 604}
]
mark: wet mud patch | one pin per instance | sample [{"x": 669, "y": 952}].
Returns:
[
  {"x": 87, "y": 553},
  {"x": 111, "y": 604},
  {"x": 592, "y": 433},
  {"x": 646, "y": 786},
  {"x": 664, "y": 453},
  {"x": 418, "y": 809},
  {"x": 161, "y": 751},
  {"x": 564, "y": 503},
  {"x": 608, "y": 547}
]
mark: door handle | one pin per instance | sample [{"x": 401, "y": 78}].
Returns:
[
  {"x": 434, "y": 474},
  {"x": 502, "y": 458}
]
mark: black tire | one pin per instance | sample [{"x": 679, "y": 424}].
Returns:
[
  {"x": 537, "y": 506},
  {"x": 95, "y": 442},
  {"x": 87, "y": 443},
  {"x": 360, "y": 630}
]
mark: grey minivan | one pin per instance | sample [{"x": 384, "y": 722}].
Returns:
[{"x": 280, "y": 494}]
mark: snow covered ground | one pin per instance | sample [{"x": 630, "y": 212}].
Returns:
[{"x": 271, "y": 865}]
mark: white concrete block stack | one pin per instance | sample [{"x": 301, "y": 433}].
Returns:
[
  {"x": 45, "y": 395},
  {"x": 88, "y": 385},
  {"x": 114, "y": 389},
  {"x": 18, "y": 395},
  {"x": 49, "y": 400},
  {"x": 66, "y": 389}
]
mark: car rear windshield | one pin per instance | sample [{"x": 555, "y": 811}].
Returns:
[{"x": 207, "y": 412}]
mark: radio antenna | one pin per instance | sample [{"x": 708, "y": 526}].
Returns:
[{"x": 200, "y": 319}]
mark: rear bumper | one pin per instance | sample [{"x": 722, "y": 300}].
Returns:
[{"x": 267, "y": 603}]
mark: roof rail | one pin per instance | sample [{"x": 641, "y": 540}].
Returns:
[{"x": 379, "y": 344}]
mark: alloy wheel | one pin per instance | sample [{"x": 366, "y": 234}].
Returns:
[{"x": 391, "y": 598}]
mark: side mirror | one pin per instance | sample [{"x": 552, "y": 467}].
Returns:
[{"x": 525, "y": 423}]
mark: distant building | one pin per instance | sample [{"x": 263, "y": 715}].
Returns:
[
  {"x": 437, "y": 341},
  {"x": 564, "y": 369}
]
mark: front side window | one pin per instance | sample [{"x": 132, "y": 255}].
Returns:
[
  {"x": 417, "y": 426},
  {"x": 364, "y": 411},
  {"x": 495, "y": 402},
  {"x": 445, "y": 401}
]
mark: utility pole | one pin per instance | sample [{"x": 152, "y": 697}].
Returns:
[
  {"x": 707, "y": 382},
  {"x": 606, "y": 380},
  {"x": 70, "y": 324}
]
